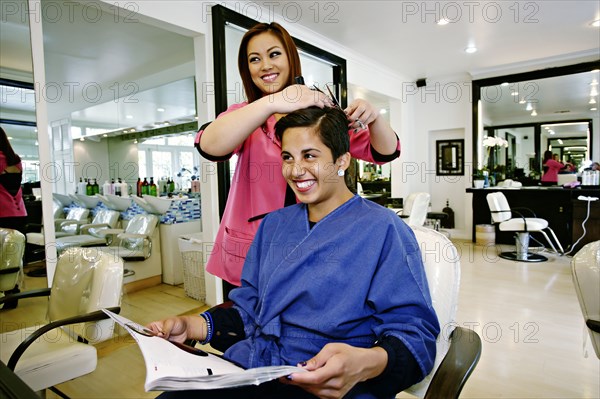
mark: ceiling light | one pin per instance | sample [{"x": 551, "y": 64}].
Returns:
[
  {"x": 533, "y": 113},
  {"x": 551, "y": 132},
  {"x": 160, "y": 109},
  {"x": 522, "y": 101},
  {"x": 470, "y": 49},
  {"x": 10, "y": 137},
  {"x": 383, "y": 111},
  {"x": 529, "y": 107},
  {"x": 504, "y": 84},
  {"x": 560, "y": 142},
  {"x": 592, "y": 101},
  {"x": 129, "y": 116},
  {"x": 81, "y": 139},
  {"x": 593, "y": 92},
  {"x": 135, "y": 141},
  {"x": 105, "y": 135},
  {"x": 546, "y": 127},
  {"x": 593, "y": 109},
  {"x": 514, "y": 93},
  {"x": 36, "y": 143},
  {"x": 594, "y": 83},
  {"x": 443, "y": 21},
  {"x": 596, "y": 23}
]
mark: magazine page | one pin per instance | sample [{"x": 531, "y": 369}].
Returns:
[{"x": 171, "y": 366}]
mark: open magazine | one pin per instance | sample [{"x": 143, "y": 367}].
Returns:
[{"x": 171, "y": 366}]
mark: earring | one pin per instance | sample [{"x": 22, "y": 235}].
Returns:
[{"x": 340, "y": 172}]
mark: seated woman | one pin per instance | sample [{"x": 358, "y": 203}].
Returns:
[{"x": 334, "y": 284}]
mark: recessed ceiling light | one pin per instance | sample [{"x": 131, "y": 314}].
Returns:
[
  {"x": 593, "y": 92},
  {"x": 514, "y": 93},
  {"x": 129, "y": 116},
  {"x": 105, "y": 135},
  {"x": 443, "y": 21},
  {"x": 533, "y": 113},
  {"x": 592, "y": 101},
  {"x": 593, "y": 109},
  {"x": 529, "y": 107},
  {"x": 81, "y": 139},
  {"x": 522, "y": 101},
  {"x": 504, "y": 84},
  {"x": 596, "y": 23},
  {"x": 383, "y": 111},
  {"x": 10, "y": 137},
  {"x": 470, "y": 49},
  {"x": 160, "y": 109},
  {"x": 594, "y": 83}
]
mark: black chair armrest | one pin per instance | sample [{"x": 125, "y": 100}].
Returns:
[
  {"x": 458, "y": 364},
  {"x": 93, "y": 316},
  {"x": 532, "y": 213},
  {"x": 13, "y": 387},
  {"x": 593, "y": 325},
  {"x": 26, "y": 294}
]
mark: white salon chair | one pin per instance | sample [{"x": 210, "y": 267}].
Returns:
[
  {"x": 62, "y": 227},
  {"x": 91, "y": 234},
  {"x": 86, "y": 280},
  {"x": 585, "y": 267},
  {"x": 502, "y": 214},
  {"x": 135, "y": 242},
  {"x": 414, "y": 211},
  {"x": 458, "y": 348},
  {"x": 12, "y": 247}
]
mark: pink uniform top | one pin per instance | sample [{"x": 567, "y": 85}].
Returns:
[
  {"x": 257, "y": 188},
  {"x": 551, "y": 175},
  {"x": 10, "y": 205}
]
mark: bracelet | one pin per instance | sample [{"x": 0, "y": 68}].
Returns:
[{"x": 209, "y": 327}]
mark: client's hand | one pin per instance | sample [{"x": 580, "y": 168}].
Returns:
[
  {"x": 337, "y": 368},
  {"x": 180, "y": 329}
]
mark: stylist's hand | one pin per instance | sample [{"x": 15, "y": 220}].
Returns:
[
  {"x": 361, "y": 110},
  {"x": 180, "y": 329},
  {"x": 337, "y": 368},
  {"x": 297, "y": 97}
]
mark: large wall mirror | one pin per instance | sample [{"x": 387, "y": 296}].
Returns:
[
  {"x": 555, "y": 108},
  {"x": 17, "y": 101},
  {"x": 318, "y": 67}
]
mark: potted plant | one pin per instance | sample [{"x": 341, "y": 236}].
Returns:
[{"x": 478, "y": 178}]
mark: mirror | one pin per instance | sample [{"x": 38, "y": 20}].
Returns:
[
  {"x": 115, "y": 84},
  {"x": 318, "y": 67},
  {"x": 532, "y": 111},
  {"x": 17, "y": 101},
  {"x": 449, "y": 157}
]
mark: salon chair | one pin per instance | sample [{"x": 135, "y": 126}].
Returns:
[
  {"x": 138, "y": 245},
  {"x": 414, "y": 211},
  {"x": 91, "y": 234},
  {"x": 12, "y": 247},
  {"x": 585, "y": 267},
  {"x": 86, "y": 280},
  {"x": 502, "y": 214},
  {"x": 62, "y": 226},
  {"x": 458, "y": 348}
]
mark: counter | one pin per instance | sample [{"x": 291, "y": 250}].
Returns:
[{"x": 559, "y": 206}]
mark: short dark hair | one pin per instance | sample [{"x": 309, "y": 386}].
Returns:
[
  {"x": 253, "y": 93},
  {"x": 331, "y": 124}
]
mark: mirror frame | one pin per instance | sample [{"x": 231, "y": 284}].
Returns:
[
  {"x": 457, "y": 146},
  {"x": 478, "y": 84},
  {"x": 221, "y": 16}
]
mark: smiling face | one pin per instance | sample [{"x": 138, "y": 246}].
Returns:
[
  {"x": 268, "y": 63},
  {"x": 309, "y": 168}
]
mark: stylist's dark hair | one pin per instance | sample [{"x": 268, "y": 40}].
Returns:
[
  {"x": 331, "y": 124},
  {"x": 253, "y": 93},
  {"x": 547, "y": 156},
  {"x": 11, "y": 157}
]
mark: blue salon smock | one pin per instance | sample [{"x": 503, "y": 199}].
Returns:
[{"x": 355, "y": 277}]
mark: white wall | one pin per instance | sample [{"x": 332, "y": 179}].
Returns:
[{"x": 439, "y": 111}]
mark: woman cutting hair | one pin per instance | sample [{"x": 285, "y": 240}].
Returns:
[{"x": 268, "y": 62}]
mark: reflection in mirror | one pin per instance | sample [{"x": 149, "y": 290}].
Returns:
[
  {"x": 524, "y": 108},
  {"x": 17, "y": 105},
  {"x": 116, "y": 82}
]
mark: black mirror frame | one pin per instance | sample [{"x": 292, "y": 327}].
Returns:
[
  {"x": 440, "y": 162},
  {"x": 478, "y": 84}
]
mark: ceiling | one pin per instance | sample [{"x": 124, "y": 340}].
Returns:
[{"x": 400, "y": 36}]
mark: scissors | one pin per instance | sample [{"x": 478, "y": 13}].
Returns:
[{"x": 149, "y": 333}]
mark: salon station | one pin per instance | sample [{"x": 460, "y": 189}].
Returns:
[{"x": 102, "y": 101}]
